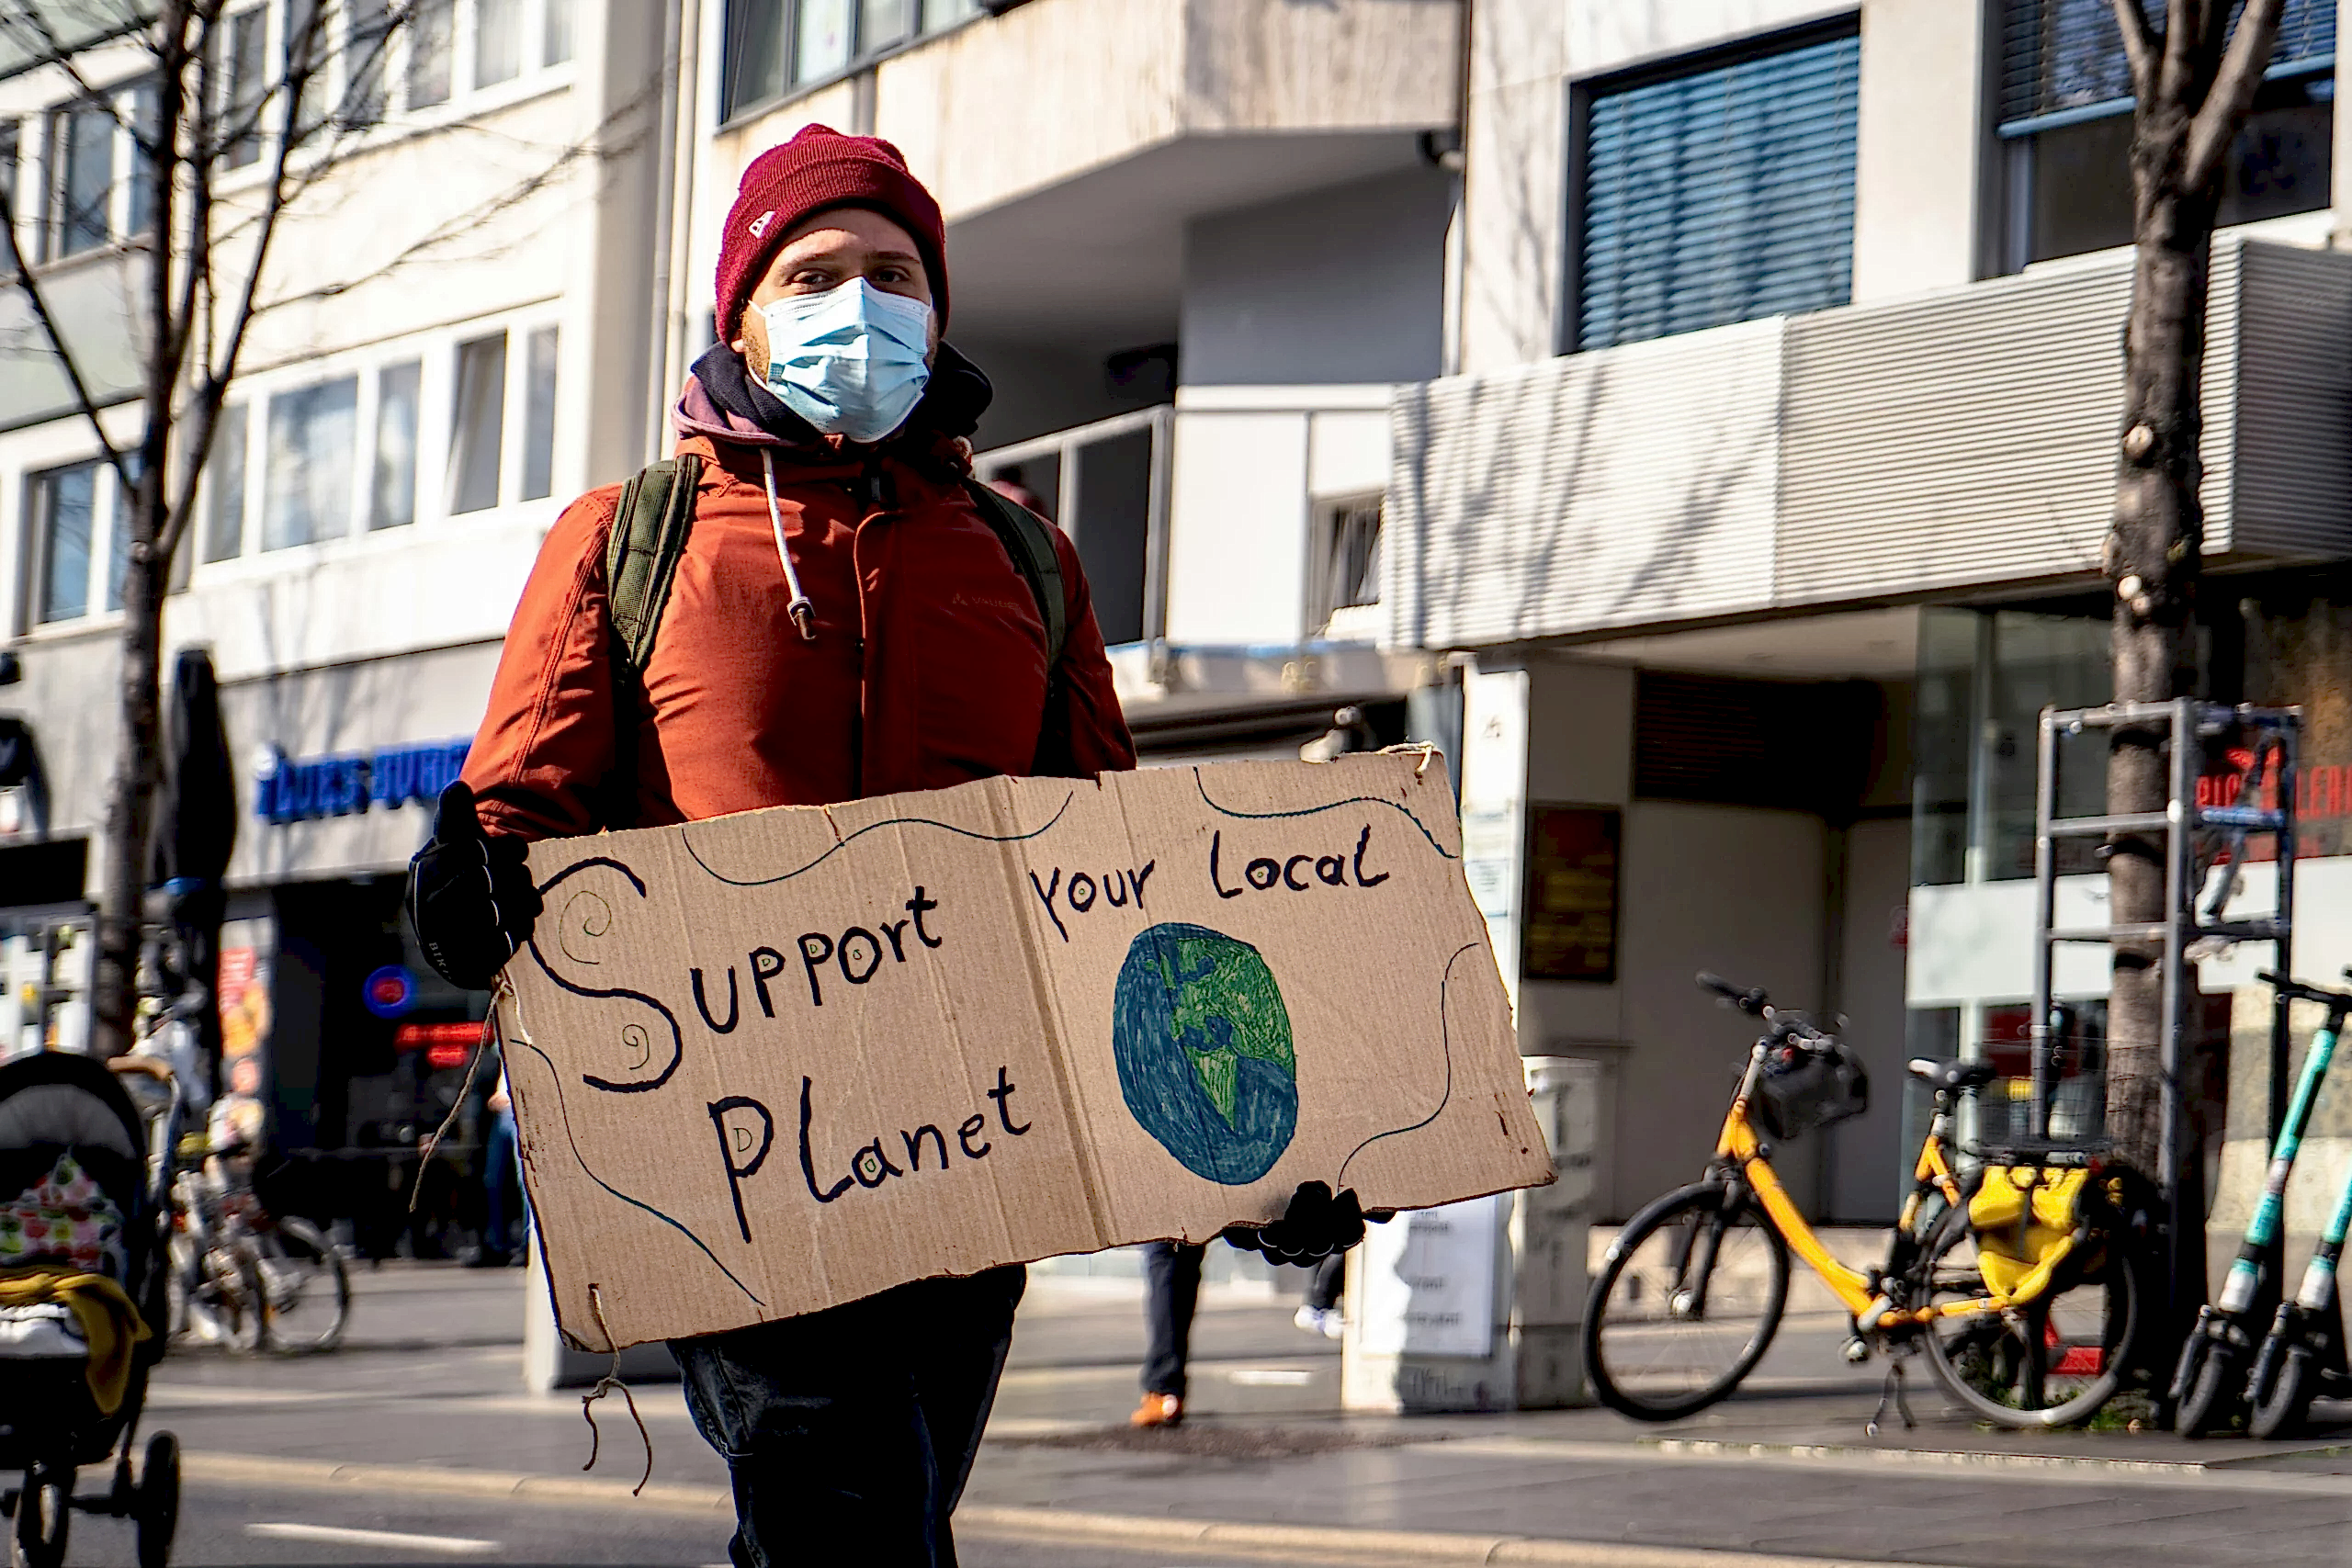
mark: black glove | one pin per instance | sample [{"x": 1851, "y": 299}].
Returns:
[
  {"x": 1314, "y": 1227},
  {"x": 471, "y": 898}
]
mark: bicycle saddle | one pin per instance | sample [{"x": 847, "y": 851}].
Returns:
[{"x": 1953, "y": 1076}]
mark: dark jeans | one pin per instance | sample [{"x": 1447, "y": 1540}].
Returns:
[
  {"x": 1172, "y": 1288},
  {"x": 1331, "y": 1278},
  {"x": 502, "y": 1182},
  {"x": 849, "y": 1432}
]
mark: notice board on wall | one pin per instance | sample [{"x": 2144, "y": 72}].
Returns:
[
  {"x": 1569, "y": 932},
  {"x": 767, "y": 1063}
]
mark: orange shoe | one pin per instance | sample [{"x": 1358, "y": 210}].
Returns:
[{"x": 1159, "y": 1410}]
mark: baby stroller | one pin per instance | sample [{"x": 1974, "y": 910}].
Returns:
[{"x": 83, "y": 1281}]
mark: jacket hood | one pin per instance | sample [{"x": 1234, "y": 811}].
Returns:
[{"x": 722, "y": 404}]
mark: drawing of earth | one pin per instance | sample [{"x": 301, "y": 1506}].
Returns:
[{"x": 1203, "y": 1047}]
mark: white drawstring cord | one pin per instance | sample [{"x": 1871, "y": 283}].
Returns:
[{"x": 803, "y": 613}]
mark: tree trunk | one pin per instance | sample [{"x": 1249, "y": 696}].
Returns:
[
  {"x": 2153, "y": 560},
  {"x": 130, "y": 791}
]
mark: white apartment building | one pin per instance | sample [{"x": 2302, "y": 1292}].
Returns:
[{"x": 458, "y": 344}]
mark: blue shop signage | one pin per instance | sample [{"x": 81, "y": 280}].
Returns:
[{"x": 306, "y": 789}]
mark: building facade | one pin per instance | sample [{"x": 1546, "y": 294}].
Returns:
[
  {"x": 1692, "y": 414},
  {"x": 454, "y": 344},
  {"x": 1769, "y": 498}
]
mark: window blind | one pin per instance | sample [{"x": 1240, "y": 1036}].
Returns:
[
  {"x": 2062, "y": 59},
  {"x": 1720, "y": 195}
]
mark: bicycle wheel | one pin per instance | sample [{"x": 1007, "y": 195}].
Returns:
[
  {"x": 2051, "y": 1361},
  {"x": 1687, "y": 1304},
  {"x": 306, "y": 1290}
]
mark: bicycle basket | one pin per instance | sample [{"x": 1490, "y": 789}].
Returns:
[{"x": 1812, "y": 1087}]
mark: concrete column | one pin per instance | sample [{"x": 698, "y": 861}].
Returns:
[
  {"x": 1926, "y": 187},
  {"x": 1477, "y": 1306}
]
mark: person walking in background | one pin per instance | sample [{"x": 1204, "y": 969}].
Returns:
[
  {"x": 1320, "y": 1313},
  {"x": 502, "y": 1241},
  {"x": 1171, "y": 1292}
]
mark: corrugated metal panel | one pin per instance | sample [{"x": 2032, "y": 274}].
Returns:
[
  {"x": 1969, "y": 438},
  {"x": 1903, "y": 449},
  {"x": 2065, "y": 57},
  {"x": 2294, "y": 403},
  {"x": 1720, "y": 196},
  {"x": 1596, "y": 490}
]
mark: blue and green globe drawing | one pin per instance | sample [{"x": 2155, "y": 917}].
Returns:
[{"x": 1203, "y": 1047}]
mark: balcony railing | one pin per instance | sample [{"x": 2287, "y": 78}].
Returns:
[{"x": 1106, "y": 485}]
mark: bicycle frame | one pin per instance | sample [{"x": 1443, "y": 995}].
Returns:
[{"x": 1871, "y": 1310}]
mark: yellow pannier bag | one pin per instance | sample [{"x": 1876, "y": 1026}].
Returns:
[{"x": 2024, "y": 1217}]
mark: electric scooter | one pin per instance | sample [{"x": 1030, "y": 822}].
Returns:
[
  {"x": 2302, "y": 1355},
  {"x": 2206, "y": 1379}
]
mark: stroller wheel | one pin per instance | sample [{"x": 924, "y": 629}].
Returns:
[
  {"x": 158, "y": 1515},
  {"x": 44, "y": 1511}
]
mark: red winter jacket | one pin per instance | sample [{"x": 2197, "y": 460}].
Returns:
[{"x": 928, "y": 668}]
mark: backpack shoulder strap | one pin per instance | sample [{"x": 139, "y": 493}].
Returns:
[
  {"x": 1029, "y": 541},
  {"x": 649, "y": 529}
]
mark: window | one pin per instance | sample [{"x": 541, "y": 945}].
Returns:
[
  {"x": 538, "y": 414},
  {"x": 478, "y": 432},
  {"x": 142, "y": 129},
  {"x": 305, "y": 52},
  {"x": 117, "y": 550},
  {"x": 2066, "y": 122},
  {"x": 774, "y": 46},
  {"x": 224, "y": 506},
  {"x": 8, "y": 168},
  {"x": 1347, "y": 559},
  {"x": 64, "y": 510},
  {"x": 246, "y": 71},
  {"x": 370, "y": 42},
  {"x": 431, "y": 39},
  {"x": 392, "y": 495},
  {"x": 312, "y": 432},
  {"x": 498, "y": 42},
  {"x": 1718, "y": 194},
  {"x": 81, "y": 165},
  {"x": 560, "y": 21}
]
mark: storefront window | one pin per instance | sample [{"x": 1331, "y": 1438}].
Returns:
[{"x": 1985, "y": 677}]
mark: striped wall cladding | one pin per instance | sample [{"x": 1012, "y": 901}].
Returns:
[
  {"x": 1970, "y": 437},
  {"x": 1613, "y": 488},
  {"x": 1882, "y": 453}
]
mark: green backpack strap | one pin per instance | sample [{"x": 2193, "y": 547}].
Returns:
[
  {"x": 1029, "y": 541},
  {"x": 649, "y": 529}
]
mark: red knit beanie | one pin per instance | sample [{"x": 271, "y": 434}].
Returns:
[{"x": 821, "y": 168}]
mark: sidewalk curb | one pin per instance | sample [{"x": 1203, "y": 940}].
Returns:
[{"x": 1261, "y": 1542}]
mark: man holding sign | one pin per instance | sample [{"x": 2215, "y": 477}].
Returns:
[{"x": 813, "y": 603}]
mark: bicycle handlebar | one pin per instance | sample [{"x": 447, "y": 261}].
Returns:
[{"x": 1751, "y": 1001}]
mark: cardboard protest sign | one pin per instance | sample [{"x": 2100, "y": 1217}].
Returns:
[{"x": 768, "y": 1062}]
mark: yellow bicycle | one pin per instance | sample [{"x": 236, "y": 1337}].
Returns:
[{"x": 2020, "y": 1272}]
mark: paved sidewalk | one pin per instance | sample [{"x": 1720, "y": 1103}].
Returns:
[{"x": 1786, "y": 1474}]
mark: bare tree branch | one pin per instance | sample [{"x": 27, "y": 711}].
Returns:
[
  {"x": 47, "y": 49},
  {"x": 2223, "y": 112},
  {"x": 2140, "y": 44}
]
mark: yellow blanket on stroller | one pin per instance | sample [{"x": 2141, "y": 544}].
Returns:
[{"x": 111, "y": 1324}]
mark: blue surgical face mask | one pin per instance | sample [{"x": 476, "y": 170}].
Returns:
[{"x": 851, "y": 360}]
